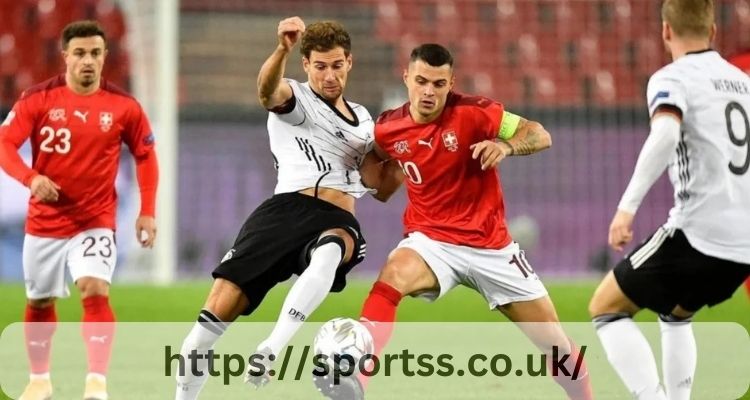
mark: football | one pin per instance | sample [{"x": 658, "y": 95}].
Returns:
[{"x": 342, "y": 336}]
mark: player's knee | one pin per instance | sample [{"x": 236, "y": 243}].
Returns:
[
  {"x": 339, "y": 238},
  {"x": 405, "y": 272},
  {"x": 92, "y": 287}
]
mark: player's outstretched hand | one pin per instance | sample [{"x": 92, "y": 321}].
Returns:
[
  {"x": 145, "y": 231},
  {"x": 290, "y": 31},
  {"x": 44, "y": 189},
  {"x": 489, "y": 152},
  {"x": 621, "y": 230}
]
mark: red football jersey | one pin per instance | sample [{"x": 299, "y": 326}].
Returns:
[
  {"x": 450, "y": 198},
  {"x": 76, "y": 142}
]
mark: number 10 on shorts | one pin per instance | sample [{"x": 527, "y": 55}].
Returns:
[{"x": 519, "y": 260}]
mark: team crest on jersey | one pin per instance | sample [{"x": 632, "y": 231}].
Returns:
[
  {"x": 450, "y": 141},
  {"x": 57, "y": 114},
  {"x": 401, "y": 147},
  {"x": 9, "y": 118},
  {"x": 105, "y": 121}
]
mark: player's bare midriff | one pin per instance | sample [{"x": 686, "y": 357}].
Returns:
[{"x": 333, "y": 196}]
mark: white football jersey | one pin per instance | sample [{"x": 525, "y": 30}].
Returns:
[
  {"x": 316, "y": 145},
  {"x": 709, "y": 170}
]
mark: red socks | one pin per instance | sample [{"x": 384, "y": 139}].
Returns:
[
  {"x": 579, "y": 389},
  {"x": 39, "y": 336},
  {"x": 378, "y": 316},
  {"x": 98, "y": 331}
]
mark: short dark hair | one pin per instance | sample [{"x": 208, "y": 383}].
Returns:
[
  {"x": 433, "y": 54},
  {"x": 325, "y": 36},
  {"x": 81, "y": 29}
]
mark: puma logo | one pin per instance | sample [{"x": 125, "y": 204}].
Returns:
[
  {"x": 81, "y": 115},
  {"x": 425, "y": 143}
]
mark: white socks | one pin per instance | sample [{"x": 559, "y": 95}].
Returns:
[
  {"x": 310, "y": 289},
  {"x": 679, "y": 358},
  {"x": 201, "y": 338},
  {"x": 630, "y": 355}
]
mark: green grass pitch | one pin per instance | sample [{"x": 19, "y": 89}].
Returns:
[{"x": 182, "y": 301}]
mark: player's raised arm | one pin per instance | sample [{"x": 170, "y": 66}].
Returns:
[
  {"x": 381, "y": 173},
  {"x": 273, "y": 91}
]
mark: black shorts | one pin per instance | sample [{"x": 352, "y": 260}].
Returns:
[
  {"x": 666, "y": 271},
  {"x": 275, "y": 242}
]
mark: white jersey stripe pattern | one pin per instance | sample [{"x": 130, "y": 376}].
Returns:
[
  {"x": 709, "y": 170},
  {"x": 314, "y": 144}
]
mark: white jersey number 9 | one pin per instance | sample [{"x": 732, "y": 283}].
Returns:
[
  {"x": 744, "y": 142},
  {"x": 61, "y": 146}
]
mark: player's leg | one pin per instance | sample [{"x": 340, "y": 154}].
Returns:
[
  {"x": 538, "y": 320},
  {"x": 225, "y": 302},
  {"x": 331, "y": 249},
  {"x": 44, "y": 274},
  {"x": 679, "y": 353},
  {"x": 509, "y": 284},
  {"x": 626, "y": 348},
  {"x": 91, "y": 257}
]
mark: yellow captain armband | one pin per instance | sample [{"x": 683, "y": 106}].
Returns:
[{"x": 508, "y": 126}]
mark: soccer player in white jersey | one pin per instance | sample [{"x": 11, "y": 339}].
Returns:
[
  {"x": 318, "y": 140},
  {"x": 699, "y": 108}
]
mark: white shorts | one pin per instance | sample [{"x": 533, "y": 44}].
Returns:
[
  {"x": 502, "y": 276},
  {"x": 91, "y": 253}
]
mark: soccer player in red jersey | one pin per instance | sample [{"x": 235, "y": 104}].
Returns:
[
  {"x": 76, "y": 123},
  {"x": 447, "y": 146}
]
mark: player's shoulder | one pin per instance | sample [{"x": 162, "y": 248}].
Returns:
[
  {"x": 115, "y": 90},
  {"x": 362, "y": 112},
  {"x": 394, "y": 114},
  {"x": 461, "y": 100},
  {"x": 43, "y": 87}
]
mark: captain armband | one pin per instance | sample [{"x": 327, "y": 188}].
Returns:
[{"x": 509, "y": 125}]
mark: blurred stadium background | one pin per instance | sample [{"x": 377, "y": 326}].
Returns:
[{"x": 578, "y": 66}]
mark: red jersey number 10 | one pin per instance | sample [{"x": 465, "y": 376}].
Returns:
[{"x": 410, "y": 169}]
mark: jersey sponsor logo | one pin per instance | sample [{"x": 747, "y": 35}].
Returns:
[
  {"x": 83, "y": 116},
  {"x": 450, "y": 141},
  {"x": 427, "y": 143},
  {"x": 57, "y": 114},
  {"x": 105, "y": 121},
  {"x": 9, "y": 118},
  {"x": 660, "y": 95},
  {"x": 401, "y": 147}
]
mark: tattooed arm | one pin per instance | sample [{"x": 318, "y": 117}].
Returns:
[{"x": 530, "y": 137}]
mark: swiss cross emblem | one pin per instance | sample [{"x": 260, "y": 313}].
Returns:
[
  {"x": 105, "y": 121},
  {"x": 401, "y": 147},
  {"x": 450, "y": 141}
]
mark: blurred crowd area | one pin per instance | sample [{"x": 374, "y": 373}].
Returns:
[
  {"x": 526, "y": 53},
  {"x": 579, "y": 66}
]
